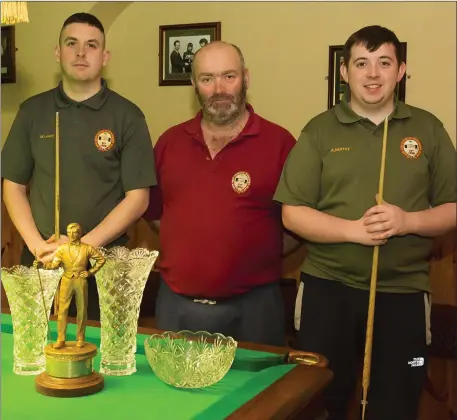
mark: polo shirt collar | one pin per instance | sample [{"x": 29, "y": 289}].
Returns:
[
  {"x": 94, "y": 102},
  {"x": 252, "y": 127},
  {"x": 346, "y": 114}
]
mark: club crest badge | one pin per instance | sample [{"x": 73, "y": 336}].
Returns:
[
  {"x": 104, "y": 140},
  {"x": 241, "y": 182},
  {"x": 411, "y": 148}
]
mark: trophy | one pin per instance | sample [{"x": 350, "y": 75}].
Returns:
[
  {"x": 29, "y": 292},
  {"x": 69, "y": 364},
  {"x": 120, "y": 285}
]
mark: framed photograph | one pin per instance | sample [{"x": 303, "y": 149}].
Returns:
[
  {"x": 8, "y": 58},
  {"x": 178, "y": 45},
  {"x": 337, "y": 86}
]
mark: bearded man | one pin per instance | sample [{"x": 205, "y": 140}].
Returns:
[{"x": 221, "y": 234}]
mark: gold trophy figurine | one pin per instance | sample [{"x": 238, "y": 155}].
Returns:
[
  {"x": 74, "y": 257},
  {"x": 69, "y": 365}
]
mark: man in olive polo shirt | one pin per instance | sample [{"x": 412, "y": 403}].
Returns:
[
  {"x": 106, "y": 155},
  {"x": 328, "y": 188}
]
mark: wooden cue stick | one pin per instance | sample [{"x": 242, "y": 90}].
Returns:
[
  {"x": 57, "y": 204},
  {"x": 374, "y": 274},
  {"x": 57, "y": 184}
]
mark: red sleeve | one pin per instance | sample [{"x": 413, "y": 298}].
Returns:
[{"x": 154, "y": 211}]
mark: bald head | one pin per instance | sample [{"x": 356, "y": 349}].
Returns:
[
  {"x": 221, "y": 81},
  {"x": 218, "y": 52}
]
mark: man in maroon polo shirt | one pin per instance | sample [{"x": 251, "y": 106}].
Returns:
[{"x": 221, "y": 234}]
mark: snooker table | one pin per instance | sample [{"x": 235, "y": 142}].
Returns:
[{"x": 260, "y": 385}]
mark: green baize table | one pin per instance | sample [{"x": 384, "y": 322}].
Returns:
[{"x": 260, "y": 385}]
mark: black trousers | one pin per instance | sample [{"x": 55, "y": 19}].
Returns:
[
  {"x": 333, "y": 323},
  {"x": 93, "y": 306},
  {"x": 256, "y": 316}
]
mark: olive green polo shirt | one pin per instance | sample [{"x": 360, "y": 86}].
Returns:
[
  {"x": 105, "y": 151},
  {"x": 334, "y": 168}
]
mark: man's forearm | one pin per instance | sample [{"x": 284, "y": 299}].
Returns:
[
  {"x": 18, "y": 206},
  {"x": 127, "y": 212},
  {"x": 433, "y": 222},
  {"x": 314, "y": 225}
]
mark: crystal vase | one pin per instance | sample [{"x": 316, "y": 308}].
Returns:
[
  {"x": 28, "y": 294},
  {"x": 120, "y": 284}
]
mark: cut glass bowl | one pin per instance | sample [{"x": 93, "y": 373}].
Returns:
[{"x": 188, "y": 359}]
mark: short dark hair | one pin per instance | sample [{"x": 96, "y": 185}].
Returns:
[
  {"x": 203, "y": 41},
  {"x": 372, "y": 37},
  {"x": 86, "y": 18},
  {"x": 176, "y": 42}
]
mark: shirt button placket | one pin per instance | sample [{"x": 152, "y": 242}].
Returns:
[{"x": 76, "y": 112}]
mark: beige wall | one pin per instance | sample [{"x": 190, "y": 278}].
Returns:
[{"x": 286, "y": 51}]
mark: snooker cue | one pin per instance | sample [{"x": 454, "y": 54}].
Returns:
[
  {"x": 374, "y": 275},
  {"x": 57, "y": 184},
  {"x": 44, "y": 302},
  {"x": 57, "y": 204}
]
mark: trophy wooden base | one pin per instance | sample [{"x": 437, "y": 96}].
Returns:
[
  {"x": 69, "y": 387},
  {"x": 69, "y": 372}
]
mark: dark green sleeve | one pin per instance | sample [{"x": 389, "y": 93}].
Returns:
[
  {"x": 443, "y": 169},
  {"x": 137, "y": 158},
  {"x": 17, "y": 158},
  {"x": 299, "y": 184}
]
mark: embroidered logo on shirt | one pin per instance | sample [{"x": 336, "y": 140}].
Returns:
[
  {"x": 104, "y": 140},
  {"x": 241, "y": 182},
  {"x": 411, "y": 148}
]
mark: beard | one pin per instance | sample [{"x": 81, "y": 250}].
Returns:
[{"x": 221, "y": 113}]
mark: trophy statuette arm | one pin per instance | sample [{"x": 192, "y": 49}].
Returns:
[{"x": 99, "y": 260}]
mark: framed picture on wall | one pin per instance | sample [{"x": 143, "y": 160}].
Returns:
[
  {"x": 8, "y": 58},
  {"x": 178, "y": 45},
  {"x": 337, "y": 86}
]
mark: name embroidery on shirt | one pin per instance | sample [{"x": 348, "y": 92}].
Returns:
[{"x": 340, "y": 149}]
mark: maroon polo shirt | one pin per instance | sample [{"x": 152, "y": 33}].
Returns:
[{"x": 220, "y": 230}]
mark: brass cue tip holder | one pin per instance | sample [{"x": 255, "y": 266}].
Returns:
[{"x": 69, "y": 371}]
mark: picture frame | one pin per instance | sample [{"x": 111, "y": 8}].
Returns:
[
  {"x": 178, "y": 45},
  {"x": 337, "y": 86},
  {"x": 8, "y": 55}
]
